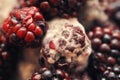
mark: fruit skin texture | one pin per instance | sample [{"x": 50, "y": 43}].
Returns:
[
  {"x": 49, "y": 74},
  {"x": 55, "y": 8},
  {"x": 106, "y": 52},
  {"x": 25, "y": 27}
]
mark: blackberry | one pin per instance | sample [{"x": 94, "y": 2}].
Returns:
[
  {"x": 53, "y": 8},
  {"x": 106, "y": 52},
  {"x": 25, "y": 27},
  {"x": 48, "y": 74}
]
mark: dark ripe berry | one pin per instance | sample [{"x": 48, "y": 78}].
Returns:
[
  {"x": 45, "y": 6},
  {"x": 111, "y": 75},
  {"x": 115, "y": 44},
  {"x": 101, "y": 57},
  {"x": 90, "y": 35},
  {"x": 107, "y": 31},
  {"x": 49, "y": 74},
  {"x": 96, "y": 42},
  {"x": 106, "y": 51},
  {"x": 116, "y": 34},
  {"x": 98, "y": 28},
  {"x": 115, "y": 53},
  {"x": 36, "y": 77},
  {"x": 104, "y": 48},
  {"x": 55, "y": 2},
  {"x": 60, "y": 73},
  {"x": 111, "y": 60},
  {"x": 106, "y": 38},
  {"x": 55, "y": 8},
  {"x": 22, "y": 26},
  {"x": 116, "y": 69},
  {"x": 98, "y": 33}
]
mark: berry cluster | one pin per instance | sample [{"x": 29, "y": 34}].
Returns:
[
  {"x": 25, "y": 26},
  {"x": 49, "y": 74},
  {"x": 106, "y": 52},
  {"x": 52, "y": 8}
]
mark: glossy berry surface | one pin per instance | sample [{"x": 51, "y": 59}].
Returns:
[
  {"x": 106, "y": 52},
  {"x": 48, "y": 74},
  {"x": 25, "y": 27},
  {"x": 53, "y": 8}
]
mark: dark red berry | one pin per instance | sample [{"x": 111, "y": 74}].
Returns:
[
  {"x": 38, "y": 31},
  {"x": 111, "y": 60},
  {"x": 96, "y": 42},
  {"x": 21, "y": 32},
  {"x": 106, "y": 52},
  {"x": 25, "y": 26},
  {"x": 55, "y": 8},
  {"x": 45, "y": 6},
  {"x": 90, "y": 35},
  {"x": 52, "y": 45},
  {"x": 49, "y": 74},
  {"x": 115, "y": 44},
  {"x": 104, "y": 48},
  {"x": 98, "y": 33}
]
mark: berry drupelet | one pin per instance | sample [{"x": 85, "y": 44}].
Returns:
[
  {"x": 106, "y": 52},
  {"x": 48, "y": 74},
  {"x": 25, "y": 27},
  {"x": 52, "y": 8}
]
